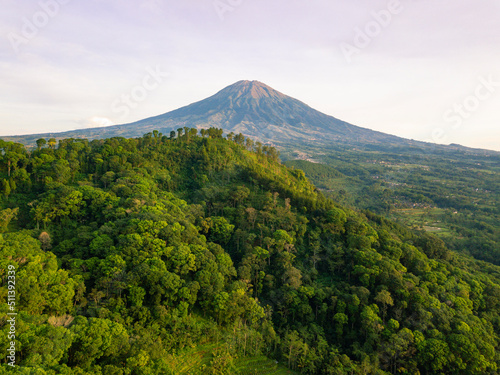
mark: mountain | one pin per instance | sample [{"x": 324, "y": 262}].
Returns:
[
  {"x": 256, "y": 110},
  {"x": 248, "y": 107}
]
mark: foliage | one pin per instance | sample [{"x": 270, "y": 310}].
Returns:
[{"x": 131, "y": 252}]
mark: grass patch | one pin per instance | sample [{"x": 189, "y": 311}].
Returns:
[{"x": 197, "y": 361}]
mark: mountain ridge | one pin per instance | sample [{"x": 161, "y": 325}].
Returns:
[{"x": 254, "y": 109}]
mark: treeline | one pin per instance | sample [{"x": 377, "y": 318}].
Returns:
[{"x": 128, "y": 251}]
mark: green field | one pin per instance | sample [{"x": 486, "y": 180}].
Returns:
[{"x": 201, "y": 360}]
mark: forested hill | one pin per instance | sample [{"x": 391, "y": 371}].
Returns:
[{"x": 200, "y": 254}]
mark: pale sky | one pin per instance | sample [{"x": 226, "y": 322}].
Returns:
[{"x": 421, "y": 69}]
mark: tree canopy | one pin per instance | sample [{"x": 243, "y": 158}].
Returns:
[{"x": 129, "y": 251}]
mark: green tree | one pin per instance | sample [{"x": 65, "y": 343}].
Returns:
[
  {"x": 6, "y": 188},
  {"x": 96, "y": 338},
  {"x": 384, "y": 298},
  {"x": 6, "y": 216},
  {"x": 40, "y": 143},
  {"x": 434, "y": 356},
  {"x": 52, "y": 143}
]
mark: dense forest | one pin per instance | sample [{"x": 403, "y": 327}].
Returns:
[{"x": 131, "y": 254}]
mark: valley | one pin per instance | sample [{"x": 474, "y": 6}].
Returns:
[{"x": 454, "y": 196}]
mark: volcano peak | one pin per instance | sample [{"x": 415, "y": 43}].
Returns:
[{"x": 251, "y": 89}]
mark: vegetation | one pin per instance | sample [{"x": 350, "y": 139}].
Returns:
[
  {"x": 453, "y": 195},
  {"x": 191, "y": 253}
]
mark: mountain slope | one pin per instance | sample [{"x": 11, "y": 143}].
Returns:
[
  {"x": 248, "y": 107},
  {"x": 153, "y": 246},
  {"x": 255, "y": 109}
]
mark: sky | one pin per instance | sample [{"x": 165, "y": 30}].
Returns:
[{"x": 421, "y": 69}]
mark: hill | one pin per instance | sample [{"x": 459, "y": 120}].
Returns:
[{"x": 128, "y": 253}]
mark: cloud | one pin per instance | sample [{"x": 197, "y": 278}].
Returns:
[{"x": 98, "y": 122}]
